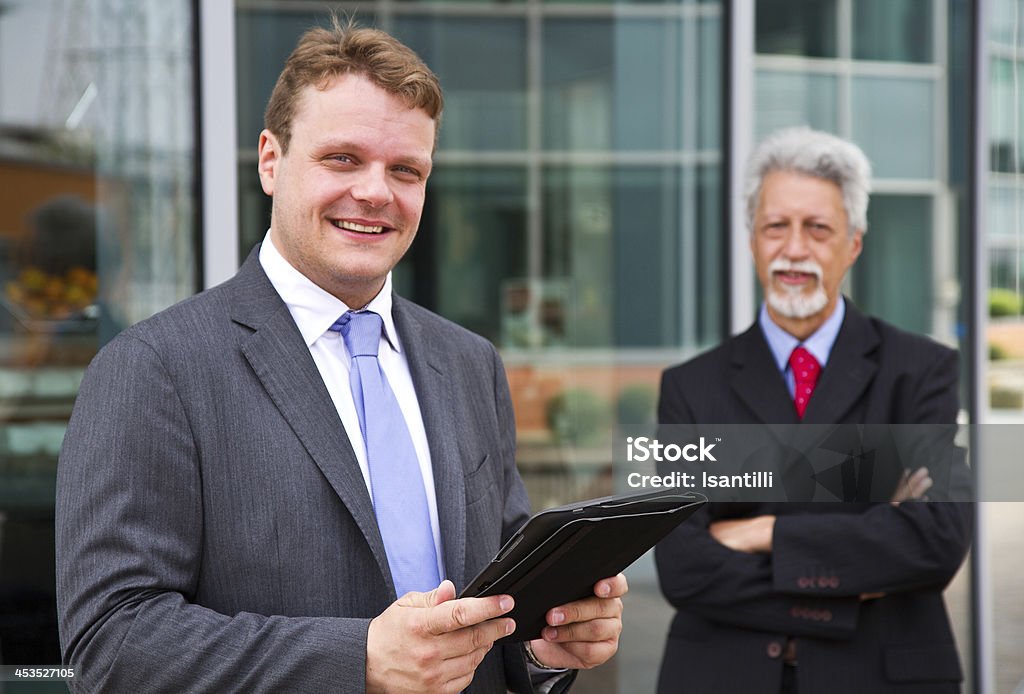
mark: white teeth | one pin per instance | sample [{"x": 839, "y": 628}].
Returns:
[{"x": 352, "y": 226}]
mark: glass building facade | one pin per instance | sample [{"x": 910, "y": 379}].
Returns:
[
  {"x": 98, "y": 229},
  {"x": 579, "y": 216}
]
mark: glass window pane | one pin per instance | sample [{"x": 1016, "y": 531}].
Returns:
[
  {"x": 647, "y": 85},
  {"x": 792, "y": 98},
  {"x": 97, "y": 231},
  {"x": 577, "y": 96},
  {"x": 469, "y": 258},
  {"x": 578, "y": 250},
  {"x": 893, "y": 122},
  {"x": 897, "y": 30},
  {"x": 796, "y": 27},
  {"x": 636, "y": 2},
  {"x": 1005, "y": 212},
  {"x": 263, "y": 41},
  {"x": 482, "y": 67},
  {"x": 1005, "y": 22},
  {"x": 619, "y": 84},
  {"x": 893, "y": 277},
  {"x": 253, "y": 207},
  {"x": 1006, "y": 154},
  {"x": 710, "y": 80},
  {"x": 1006, "y": 271},
  {"x": 613, "y": 234},
  {"x": 466, "y": 2}
]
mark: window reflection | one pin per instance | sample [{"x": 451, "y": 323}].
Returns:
[
  {"x": 796, "y": 27},
  {"x": 470, "y": 254},
  {"x": 97, "y": 230},
  {"x": 893, "y": 278},
  {"x": 795, "y": 98},
  {"x": 893, "y": 121},
  {"x": 895, "y": 30},
  {"x": 482, "y": 65}
]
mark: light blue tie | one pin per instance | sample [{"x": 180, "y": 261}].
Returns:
[{"x": 399, "y": 498}]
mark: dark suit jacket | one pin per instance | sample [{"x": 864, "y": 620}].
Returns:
[
  {"x": 736, "y": 610},
  {"x": 214, "y": 532}
]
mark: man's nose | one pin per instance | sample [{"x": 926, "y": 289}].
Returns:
[
  {"x": 796, "y": 242},
  {"x": 371, "y": 187}
]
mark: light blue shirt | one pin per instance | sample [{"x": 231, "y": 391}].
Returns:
[{"x": 819, "y": 344}]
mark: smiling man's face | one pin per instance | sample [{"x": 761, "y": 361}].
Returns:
[
  {"x": 802, "y": 249},
  {"x": 349, "y": 192}
]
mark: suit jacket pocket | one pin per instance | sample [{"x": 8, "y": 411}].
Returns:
[
  {"x": 923, "y": 663},
  {"x": 481, "y": 480}
]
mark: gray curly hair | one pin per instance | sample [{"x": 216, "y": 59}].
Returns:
[{"x": 818, "y": 154}]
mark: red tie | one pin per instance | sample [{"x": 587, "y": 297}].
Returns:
[{"x": 806, "y": 370}]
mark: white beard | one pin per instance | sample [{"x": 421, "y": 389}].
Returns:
[
  {"x": 792, "y": 302},
  {"x": 797, "y": 304}
]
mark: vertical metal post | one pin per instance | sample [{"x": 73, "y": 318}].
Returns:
[
  {"x": 977, "y": 364},
  {"x": 217, "y": 141},
  {"x": 740, "y": 134}
]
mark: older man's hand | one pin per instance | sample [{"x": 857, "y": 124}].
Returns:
[{"x": 752, "y": 535}]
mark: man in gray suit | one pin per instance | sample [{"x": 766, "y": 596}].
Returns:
[{"x": 222, "y": 517}]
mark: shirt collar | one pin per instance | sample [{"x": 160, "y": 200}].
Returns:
[
  {"x": 819, "y": 344},
  {"x": 314, "y": 309}
]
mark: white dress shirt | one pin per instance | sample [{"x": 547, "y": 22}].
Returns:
[{"x": 314, "y": 311}]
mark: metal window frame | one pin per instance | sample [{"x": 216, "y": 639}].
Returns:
[{"x": 217, "y": 140}]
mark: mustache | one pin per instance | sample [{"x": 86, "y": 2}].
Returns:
[{"x": 806, "y": 266}]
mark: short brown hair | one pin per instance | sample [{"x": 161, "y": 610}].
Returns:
[{"x": 324, "y": 54}]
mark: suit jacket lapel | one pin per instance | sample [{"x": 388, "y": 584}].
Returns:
[
  {"x": 282, "y": 362},
  {"x": 756, "y": 379},
  {"x": 428, "y": 361},
  {"x": 848, "y": 372}
]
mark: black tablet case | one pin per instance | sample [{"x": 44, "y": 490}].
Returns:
[{"x": 559, "y": 554}]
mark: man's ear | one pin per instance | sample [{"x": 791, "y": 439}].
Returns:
[
  {"x": 269, "y": 156},
  {"x": 857, "y": 245}
]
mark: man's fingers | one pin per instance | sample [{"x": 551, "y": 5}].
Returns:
[
  {"x": 475, "y": 639},
  {"x": 919, "y": 476},
  {"x": 444, "y": 592},
  {"x": 919, "y": 483},
  {"x": 584, "y": 610},
  {"x": 614, "y": 587},
  {"x": 591, "y": 630},
  {"x": 576, "y": 654},
  {"x": 465, "y": 612},
  {"x": 912, "y": 485}
]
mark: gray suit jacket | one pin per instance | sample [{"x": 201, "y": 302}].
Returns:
[{"x": 214, "y": 532}]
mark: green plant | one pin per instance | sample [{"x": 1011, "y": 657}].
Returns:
[
  {"x": 997, "y": 352},
  {"x": 635, "y": 406},
  {"x": 577, "y": 416},
  {"x": 1003, "y": 302},
  {"x": 1003, "y": 398}
]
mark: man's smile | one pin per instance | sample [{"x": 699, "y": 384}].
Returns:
[
  {"x": 791, "y": 277},
  {"x": 359, "y": 228}
]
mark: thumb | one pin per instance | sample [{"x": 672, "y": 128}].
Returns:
[{"x": 443, "y": 593}]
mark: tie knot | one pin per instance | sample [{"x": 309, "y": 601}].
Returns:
[
  {"x": 361, "y": 331},
  {"x": 805, "y": 366}
]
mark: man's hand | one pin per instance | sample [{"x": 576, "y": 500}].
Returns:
[
  {"x": 583, "y": 634},
  {"x": 912, "y": 486},
  {"x": 431, "y": 642},
  {"x": 750, "y": 535}
]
